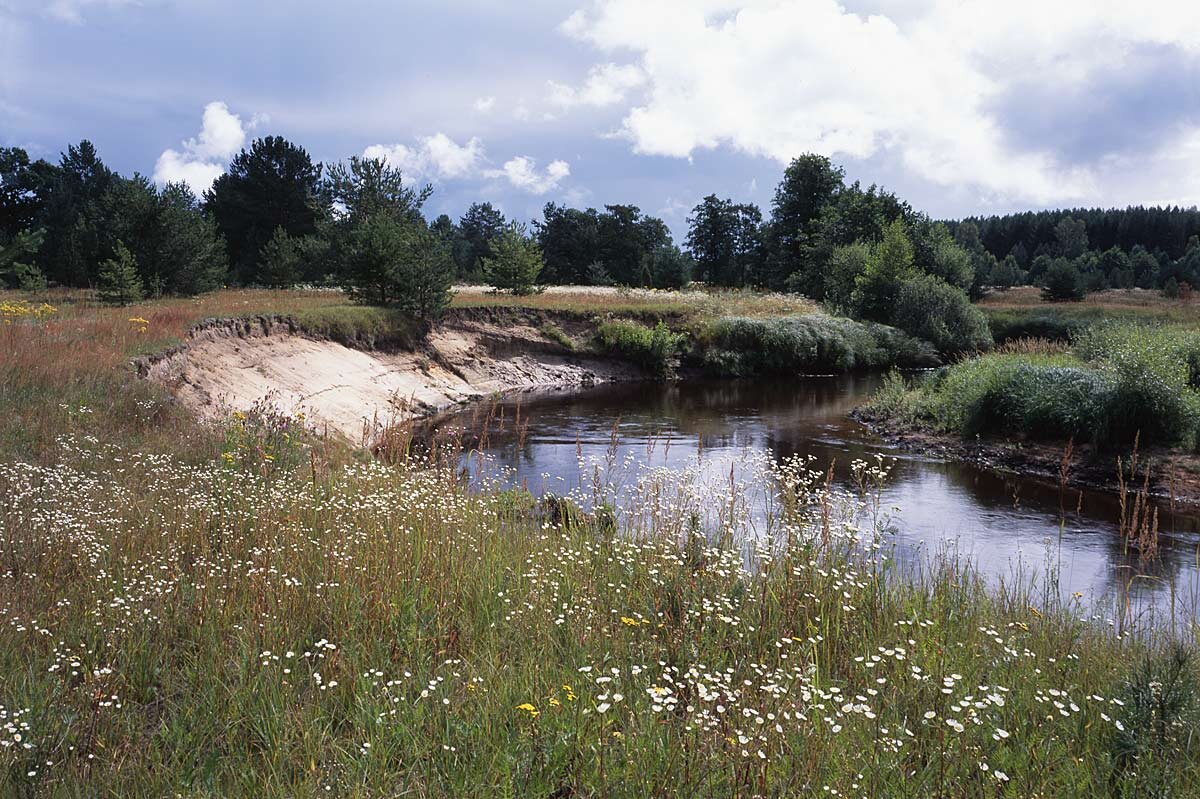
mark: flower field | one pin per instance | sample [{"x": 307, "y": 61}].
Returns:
[{"x": 263, "y": 613}]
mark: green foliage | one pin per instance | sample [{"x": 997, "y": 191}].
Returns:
[
  {"x": 280, "y": 263},
  {"x": 667, "y": 267},
  {"x": 1062, "y": 282},
  {"x": 556, "y": 334},
  {"x": 815, "y": 343},
  {"x": 890, "y": 263},
  {"x": 652, "y": 349},
  {"x": 1122, "y": 382},
  {"x": 481, "y": 228},
  {"x": 1155, "y": 377},
  {"x": 725, "y": 240},
  {"x": 397, "y": 263},
  {"x": 845, "y": 265},
  {"x": 1160, "y": 715},
  {"x": 943, "y": 315},
  {"x": 515, "y": 262},
  {"x": 119, "y": 282},
  {"x": 272, "y": 185},
  {"x": 17, "y": 269}
]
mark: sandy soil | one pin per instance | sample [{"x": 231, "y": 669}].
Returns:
[{"x": 227, "y": 366}]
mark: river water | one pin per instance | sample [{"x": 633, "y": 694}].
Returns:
[{"x": 1012, "y": 529}]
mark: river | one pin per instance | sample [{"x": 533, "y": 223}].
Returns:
[{"x": 1011, "y": 528}]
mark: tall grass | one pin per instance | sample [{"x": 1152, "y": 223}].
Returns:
[
  {"x": 1118, "y": 383},
  {"x": 815, "y": 343},
  {"x": 254, "y": 628}
]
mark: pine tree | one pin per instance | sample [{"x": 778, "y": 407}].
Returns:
[
  {"x": 516, "y": 262},
  {"x": 119, "y": 282}
]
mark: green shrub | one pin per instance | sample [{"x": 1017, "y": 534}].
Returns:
[
  {"x": 1009, "y": 325},
  {"x": 932, "y": 309},
  {"x": 1154, "y": 371},
  {"x": 650, "y": 348},
  {"x": 1063, "y": 282},
  {"x": 739, "y": 347}
]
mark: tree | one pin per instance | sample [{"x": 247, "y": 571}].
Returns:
[
  {"x": 809, "y": 183},
  {"x": 397, "y": 263},
  {"x": 1062, "y": 282},
  {"x": 1007, "y": 274},
  {"x": 16, "y": 267},
  {"x": 725, "y": 241},
  {"x": 118, "y": 280},
  {"x": 176, "y": 247},
  {"x": 515, "y": 263},
  {"x": 69, "y": 196},
  {"x": 480, "y": 226},
  {"x": 365, "y": 187},
  {"x": 890, "y": 263},
  {"x": 279, "y": 261},
  {"x": 273, "y": 185},
  {"x": 570, "y": 242},
  {"x": 668, "y": 267},
  {"x": 1170, "y": 289},
  {"x": 624, "y": 237},
  {"x": 845, "y": 265},
  {"x": 1071, "y": 238}
]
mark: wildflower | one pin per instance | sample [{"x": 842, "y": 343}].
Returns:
[
  {"x": 530, "y": 709},
  {"x": 629, "y": 622}
]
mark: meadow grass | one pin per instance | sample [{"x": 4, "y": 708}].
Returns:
[
  {"x": 246, "y": 610},
  {"x": 1023, "y": 313}
]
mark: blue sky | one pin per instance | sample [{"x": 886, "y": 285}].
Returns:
[{"x": 962, "y": 107}]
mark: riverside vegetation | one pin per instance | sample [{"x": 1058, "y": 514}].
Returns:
[{"x": 250, "y": 608}]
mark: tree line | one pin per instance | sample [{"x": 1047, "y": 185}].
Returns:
[{"x": 277, "y": 218}]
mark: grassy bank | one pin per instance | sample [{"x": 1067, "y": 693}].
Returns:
[
  {"x": 1116, "y": 385},
  {"x": 245, "y": 609}
]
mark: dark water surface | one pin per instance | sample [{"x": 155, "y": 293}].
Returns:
[{"x": 1009, "y": 527}]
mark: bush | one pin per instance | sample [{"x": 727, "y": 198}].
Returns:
[
  {"x": 1156, "y": 371},
  {"x": 118, "y": 282},
  {"x": 738, "y": 347},
  {"x": 930, "y": 308},
  {"x": 650, "y": 348},
  {"x": 1009, "y": 325}
]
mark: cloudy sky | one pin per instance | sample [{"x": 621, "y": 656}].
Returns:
[{"x": 962, "y": 107}]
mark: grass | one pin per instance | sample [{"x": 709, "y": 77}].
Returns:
[
  {"x": 813, "y": 343},
  {"x": 1022, "y": 313},
  {"x": 654, "y": 349},
  {"x": 1118, "y": 384},
  {"x": 240, "y": 610}
]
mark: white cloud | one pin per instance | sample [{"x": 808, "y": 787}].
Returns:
[
  {"x": 485, "y": 104},
  {"x": 204, "y": 158},
  {"x": 522, "y": 172},
  {"x": 920, "y": 87},
  {"x": 607, "y": 84},
  {"x": 72, "y": 10},
  {"x": 436, "y": 156}
]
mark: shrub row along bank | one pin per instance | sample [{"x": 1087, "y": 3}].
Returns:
[
  {"x": 745, "y": 347},
  {"x": 1117, "y": 382}
]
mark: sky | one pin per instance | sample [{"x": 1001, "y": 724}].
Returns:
[{"x": 961, "y": 107}]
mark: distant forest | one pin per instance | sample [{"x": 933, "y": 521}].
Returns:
[{"x": 277, "y": 218}]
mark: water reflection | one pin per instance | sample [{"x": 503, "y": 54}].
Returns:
[{"x": 1010, "y": 527}]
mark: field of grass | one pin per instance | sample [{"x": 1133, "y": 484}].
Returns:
[
  {"x": 246, "y": 610},
  {"x": 1022, "y": 313}
]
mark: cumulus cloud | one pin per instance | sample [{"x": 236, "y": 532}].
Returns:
[
  {"x": 436, "y": 156},
  {"x": 919, "y": 85},
  {"x": 606, "y": 84},
  {"x": 485, "y": 104},
  {"x": 203, "y": 159},
  {"x": 522, "y": 172}
]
